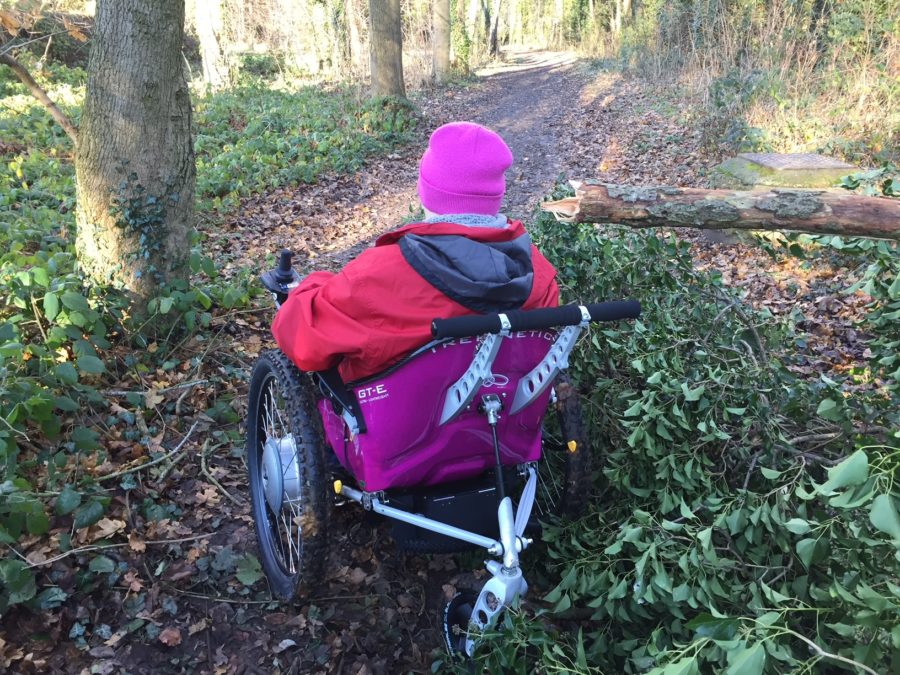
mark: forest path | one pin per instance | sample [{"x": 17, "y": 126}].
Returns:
[{"x": 527, "y": 98}]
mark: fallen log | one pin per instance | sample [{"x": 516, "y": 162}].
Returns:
[{"x": 811, "y": 211}]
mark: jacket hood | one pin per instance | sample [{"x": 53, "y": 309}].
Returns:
[{"x": 483, "y": 276}]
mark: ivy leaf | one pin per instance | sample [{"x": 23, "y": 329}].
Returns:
[
  {"x": 749, "y": 661},
  {"x": 806, "y": 549},
  {"x": 249, "y": 570},
  {"x": 829, "y": 410},
  {"x": 102, "y": 565},
  {"x": 852, "y": 471},
  {"x": 51, "y": 306},
  {"x": 18, "y": 581},
  {"x": 68, "y": 500},
  {"x": 75, "y": 301},
  {"x": 224, "y": 560},
  {"x": 90, "y": 364},
  {"x": 51, "y": 597},
  {"x": 685, "y": 666},
  {"x": 84, "y": 438},
  {"x": 883, "y": 515},
  {"x": 37, "y": 522},
  {"x": 66, "y": 373},
  {"x": 88, "y": 514},
  {"x": 692, "y": 394},
  {"x": 798, "y": 526},
  {"x": 708, "y": 626}
]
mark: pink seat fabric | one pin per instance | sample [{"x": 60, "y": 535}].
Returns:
[{"x": 406, "y": 446}]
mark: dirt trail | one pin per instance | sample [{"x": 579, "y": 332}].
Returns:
[{"x": 525, "y": 99}]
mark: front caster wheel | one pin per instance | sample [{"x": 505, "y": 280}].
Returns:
[
  {"x": 455, "y": 617},
  {"x": 285, "y": 457}
]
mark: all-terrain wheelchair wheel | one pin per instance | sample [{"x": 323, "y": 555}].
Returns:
[{"x": 285, "y": 457}]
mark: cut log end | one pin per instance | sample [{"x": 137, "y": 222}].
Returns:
[{"x": 564, "y": 210}]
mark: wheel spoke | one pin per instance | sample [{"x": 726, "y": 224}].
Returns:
[{"x": 282, "y": 524}]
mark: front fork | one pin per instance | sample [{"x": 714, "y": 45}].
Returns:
[{"x": 506, "y": 584}]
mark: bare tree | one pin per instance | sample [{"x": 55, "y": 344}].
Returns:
[
  {"x": 441, "y": 44},
  {"x": 208, "y": 15},
  {"x": 134, "y": 158},
  {"x": 386, "y": 48},
  {"x": 494, "y": 35}
]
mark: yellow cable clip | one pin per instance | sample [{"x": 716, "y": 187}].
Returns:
[
  {"x": 338, "y": 486},
  {"x": 573, "y": 446}
]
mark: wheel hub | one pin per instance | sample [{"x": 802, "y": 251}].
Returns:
[{"x": 280, "y": 471}]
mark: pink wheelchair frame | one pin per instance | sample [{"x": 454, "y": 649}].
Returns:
[{"x": 408, "y": 430}]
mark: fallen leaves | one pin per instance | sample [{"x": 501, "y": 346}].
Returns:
[{"x": 170, "y": 636}]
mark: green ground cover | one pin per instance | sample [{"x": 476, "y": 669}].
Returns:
[{"x": 62, "y": 341}]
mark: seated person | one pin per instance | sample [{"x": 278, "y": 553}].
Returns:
[{"x": 463, "y": 258}]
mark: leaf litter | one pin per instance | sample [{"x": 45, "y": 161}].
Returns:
[{"x": 168, "y": 579}]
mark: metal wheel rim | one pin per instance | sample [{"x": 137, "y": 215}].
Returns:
[{"x": 281, "y": 528}]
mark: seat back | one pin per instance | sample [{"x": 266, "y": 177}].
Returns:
[{"x": 406, "y": 445}]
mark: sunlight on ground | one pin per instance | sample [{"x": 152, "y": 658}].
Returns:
[{"x": 516, "y": 60}]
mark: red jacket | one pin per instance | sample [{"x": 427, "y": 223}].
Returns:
[{"x": 379, "y": 307}]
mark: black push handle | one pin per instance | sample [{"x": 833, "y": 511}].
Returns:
[{"x": 534, "y": 319}]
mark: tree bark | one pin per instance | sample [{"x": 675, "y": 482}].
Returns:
[
  {"x": 441, "y": 41},
  {"x": 386, "y": 48},
  {"x": 494, "y": 39},
  {"x": 134, "y": 158},
  {"x": 354, "y": 35},
  {"x": 22, "y": 73},
  {"x": 810, "y": 211},
  {"x": 209, "y": 31}
]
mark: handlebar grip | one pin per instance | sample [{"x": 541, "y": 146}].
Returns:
[{"x": 534, "y": 319}]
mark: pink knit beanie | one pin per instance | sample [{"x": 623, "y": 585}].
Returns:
[{"x": 462, "y": 170}]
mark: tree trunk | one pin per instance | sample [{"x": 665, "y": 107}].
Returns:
[
  {"x": 209, "y": 31},
  {"x": 811, "y": 211},
  {"x": 135, "y": 160},
  {"x": 441, "y": 40},
  {"x": 354, "y": 35},
  {"x": 494, "y": 40},
  {"x": 386, "y": 48}
]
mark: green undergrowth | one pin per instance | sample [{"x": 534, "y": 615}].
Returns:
[
  {"x": 746, "y": 521},
  {"x": 64, "y": 342},
  {"x": 252, "y": 138}
]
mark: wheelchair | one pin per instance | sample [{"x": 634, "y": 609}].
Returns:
[{"x": 447, "y": 443}]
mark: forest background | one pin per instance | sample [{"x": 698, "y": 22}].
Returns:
[{"x": 746, "y": 517}]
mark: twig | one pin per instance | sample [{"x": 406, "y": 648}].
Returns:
[
  {"x": 14, "y": 430},
  {"x": 203, "y": 468},
  {"x": 192, "y": 594},
  {"x": 156, "y": 461},
  {"x": 171, "y": 466},
  {"x": 828, "y": 655},
  {"x": 805, "y": 454},
  {"x": 815, "y": 438},
  {"x": 753, "y": 461},
  {"x": 37, "y": 318},
  {"x": 18, "y": 45},
  {"x": 174, "y": 387},
  {"x": 103, "y": 547}
]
